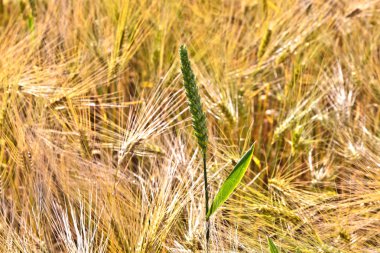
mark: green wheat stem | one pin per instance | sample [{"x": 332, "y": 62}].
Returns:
[
  {"x": 198, "y": 118},
  {"x": 206, "y": 198}
]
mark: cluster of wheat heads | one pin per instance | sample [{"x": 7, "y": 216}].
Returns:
[{"x": 97, "y": 152}]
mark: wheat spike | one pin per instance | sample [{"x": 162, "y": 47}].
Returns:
[{"x": 194, "y": 100}]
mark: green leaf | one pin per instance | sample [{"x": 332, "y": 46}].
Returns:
[
  {"x": 272, "y": 246},
  {"x": 231, "y": 182}
]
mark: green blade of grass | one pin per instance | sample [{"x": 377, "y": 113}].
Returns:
[
  {"x": 231, "y": 182},
  {"x": 272, "y": 246}
]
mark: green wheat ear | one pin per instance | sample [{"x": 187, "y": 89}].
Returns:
[{"x": 194, "y": 100}]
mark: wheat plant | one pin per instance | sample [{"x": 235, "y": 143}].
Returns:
[
  {"x": 198, "y": 118},
  {"x": 200, "y": 129}
]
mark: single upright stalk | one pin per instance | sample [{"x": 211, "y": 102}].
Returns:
[
  {"x": 198, "y": 118},
  {"x": 206, "y": 197}
]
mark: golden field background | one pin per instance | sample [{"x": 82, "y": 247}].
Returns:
[{"x": 97, "y": 152}]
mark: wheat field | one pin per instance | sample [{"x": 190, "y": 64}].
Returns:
[{"x": 97, "y": 150}]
